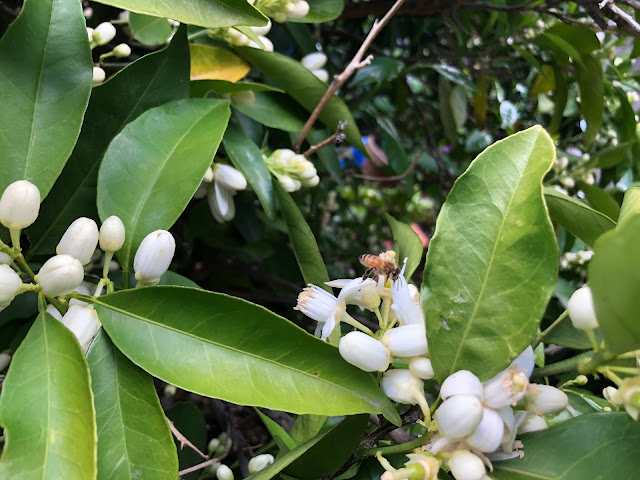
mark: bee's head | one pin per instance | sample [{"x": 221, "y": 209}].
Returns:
[{"x": 395, "y": 274}]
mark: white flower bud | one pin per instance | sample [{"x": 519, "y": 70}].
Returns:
[
  {"x": 364, "y": 352},
  {"x": 83, "y": 290},
  {"x": 307, "y": 169},
  {"x": 112, "y": 234},
  {"x": 629, "y": 392},
  {"x": 10, "y": 283},
  {"x": 19, "y": 205},
  {"x": 461, "y": 382},
  {"x": 458, "y": 416},
  {"x": 262, "y": 31},
  {"x": 104, "y": 33},
  {"x": 465, "y": 465},
  {"x": 402, "y": 386},
  {"x": 154, "y": 256},
  {"x": 60, "y": 275},
  {"x": 224, "y": 473},
  {"x": 238, "y": 38},
  {"x": 268, "y": 44},
  {"x": 421, "y": 367},
  {"x": 53, "y": 311},
  {"x": 612, "y": 395},
  {"x": 84, "y": 323},
  {"x": 532, "y": 423},
  {"x": 80, "y": 240},
  {"x": 260, "y": 462},
  {"x": 321, "y": 74},
  {"x": 5, "y": 360},
  {"x": 213, "y": 445},
  {"x": 229, "y": 178},
  {"x": 488, "y": 434},
  {"x": 298, "y": 9},
  {"x": 406, "y": 340},
  {"x": 288, "y": 183},
  {"x": 5, "y": 259},
  {"x": 311, "y": 182},
  {"x": 98, "y": 76},
  {"x": 243, "y": 99},
  {"x": 283, "y": 157},
  {"x": 314, "y": 61},
  {"x": 122, "y": 51},
  {"x": 581, "y": 311},
  {"x": 545, "y": 399},
  {"x": 208, "y": 176}
]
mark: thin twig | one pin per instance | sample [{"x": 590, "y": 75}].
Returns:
[
  {"x": 184, "y": 440},
  {"x": 613, "y": 8},
  {"x": 339, "y": 80},
  {"x": 337, "y": 138},
  {"x": 199, "y": 466},
  {"x": 395, "y": 178}
]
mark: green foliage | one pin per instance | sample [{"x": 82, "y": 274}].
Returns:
[{"x": 149, "y": 30}]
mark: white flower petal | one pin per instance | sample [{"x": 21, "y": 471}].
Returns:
[{"x": 406, "y": 308}]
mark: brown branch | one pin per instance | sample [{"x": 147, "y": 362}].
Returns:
[
  {"x": 337, "y": 138},
  {"x": 394, "y": 178},
  {"x": 339, "y": 80},
  {"x": 183, "y": 440},
  {"x": 619, "y": 14},
  {"x": 197, "y": 467}
]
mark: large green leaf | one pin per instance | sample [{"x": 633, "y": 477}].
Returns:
[
  {"x": 45, "y": 82},
  {"x": 407, "y": 244},
  {"x": 228, "y": 348},
  {"x": 317, "y": 453},
  {"x": 134, "y": 440},
  {"x": 492, "y": 262},
  {"x": 601, "y": 200},
  {"x": 578, "y": 218},
  {"x": 630, "y": 204},
  {"x": 321, "y": 11},
  {"x": 591, "y": 83},
  {"x": 247, "y": 157},
  {"x": 598, "y": 445},
  {"x": 155, "y": 164},
  {"x": 204, "y": 13},
  {"x": 46, "y": 408},
  {"x": 275, "y": 110},
  {"x": 150, "y": 30},
  {"x": 305, "y": 88},
  {"x": 302, "y": 240},
  {"x": 614, "y": 276},
  {"x": 154, "y": 79}
]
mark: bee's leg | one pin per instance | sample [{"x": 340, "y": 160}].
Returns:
[{"x": 368, "y": 272}]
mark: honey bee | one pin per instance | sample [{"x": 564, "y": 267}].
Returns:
[{"x": 380, "y": 265}]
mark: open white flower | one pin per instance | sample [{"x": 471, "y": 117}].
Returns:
[
  {"x": 406, "y": 307},
  {"x": 226, "y": 182}
]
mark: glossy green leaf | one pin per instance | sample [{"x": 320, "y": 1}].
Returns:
[
  {"x": 134, "y": 440},
  {"x": 601, "y": 200},
  {"x": 177, "y": 280},
  {"x": 152, "y": 80},
  {"x": 582, "y": 38},
  {"x": 340, "y": 436},
  {"x": 578, "y": 218},
  {"x": 228, "y": 348},
  {"x": 492, "y": 262},
  {"x": 190, "y": 422},
  {"x": 307, "y": 427},
  {"x": 150, "y": 30},
  {"x": 321, "y": 11},
  {"x": 452, "y": 74},
  {"x": 591, "y": 84},
  {"x": 392, "y": 146},
  {"x": 407, "y": 243},
  {"x": 446, "y": 114},
  {"x": 45, "y": 83},
  {"x": 279, "y": 434},
  {"x": 624, "y": 118},
  {"x": 565, "y": 47},
  {"x": 46, "y": 408},
  {"x": 200, "y": 88},
  {"x": 577, "y": 449},
  {"x": 275, "y": 110},
  {"x": 165, "y": 152},
  {"x": 305, "y": 88},
  {"x": 247, "y": 157},
  {"x": 204, "y": 13},
  {"x": 302, "y": 241},
  {"x": 630, "y": 204},
  {"x": 609, "y": 156},
  {"x": 614, "y": 276}
]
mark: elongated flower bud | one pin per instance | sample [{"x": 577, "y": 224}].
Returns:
[
  {"x": 224, "y": 473},
  {"x": 402, "y": 386},
  {"x": 104, "y": 33},
  {"x": 458, "y": 416},
  {"x": 10, "y": 284},
  {"x": 488, "y": 434},
  {"x": 532, "y": 423},
  {"x": 262, "y": 31},
  {"x": 19, "y": 205},
  {"x": 112, "y": 234},
  {"x": 98, "y": 76},
  {"x": 80, "y": 240},
  {"x": 60, "y": 275},
  {"x": 322, "y": 74},
  {"x": 153, "y": 257},
  {"x": 5, "y": 360},
  {"x": 545, "y": 399},
  {"x": 298, "y": 9},
  {"x": 406, "y": 340},
  {"x": 465, "y": 465},
  {"x": 229, "y": 177},
  {"x": 84, "y": 323},
  {"x": 364, "y": 352},
  {"x": 581, "y": 311},
  {"x": 122, "y": 51},
  {"x": 260, "y": 462},
  {"x": 421, "y": 367},
  {"x": 461, "y": 382},
  {"x": 314, "y": 61}
]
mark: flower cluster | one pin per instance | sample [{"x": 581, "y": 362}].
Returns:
[
  {"x": 282, "y": 10},
  {"x": 99, "y": 36},
  {"x": 315, "y": 62},
  {"x": 64, "y": 273},
  {"x": 235, "y": 37},
  {"x": 293, "y": 171}
]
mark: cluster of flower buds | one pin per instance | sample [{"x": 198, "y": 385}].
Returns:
[
  {"x": 99, "y": 36},
  {"x": 292, "y": 170},
  {"x": 282, "y": 10},
  {"x": 626, "y": 396},
  {"x": 220, "y": 183},
  {"x": 315, "y": 62},
  {"x": 576, "y": 261},
  {"x": 239, "y": 39}
]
